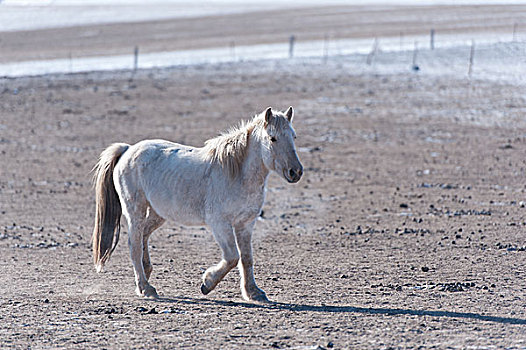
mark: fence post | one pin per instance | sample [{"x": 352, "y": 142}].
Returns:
[
  {"x": 432, "y": 39},
  {"x": 291, "y": 46},
  {"x": 135, "y": 58},
  {"x": 372, "y": 54},
  {"x": 415, "y": 66},
  {"x": 325, "y": 48},
  {"x": 471, "y": 57},
  {"x": 233, "y": 50}
]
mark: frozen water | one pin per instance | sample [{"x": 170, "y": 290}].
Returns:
[{"x": 38, "y": 14}]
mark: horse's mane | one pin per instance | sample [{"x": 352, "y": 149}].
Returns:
[{"x": 230, "y": 148}]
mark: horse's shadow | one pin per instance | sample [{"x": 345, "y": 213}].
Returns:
[{"x": 340, "y": 309}]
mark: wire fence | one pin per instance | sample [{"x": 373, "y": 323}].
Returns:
[{"x": 483, "y": 55}]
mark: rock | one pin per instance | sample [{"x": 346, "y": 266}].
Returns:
[{"x": 425, "y": 269}]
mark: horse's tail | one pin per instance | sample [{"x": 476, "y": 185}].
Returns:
[{"x": 108, "y": 208}]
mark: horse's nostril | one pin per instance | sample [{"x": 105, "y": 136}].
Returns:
[{"x": 292, "y": 173}]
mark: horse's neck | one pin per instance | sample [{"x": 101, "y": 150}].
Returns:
[{"x": 253, "y": 172}]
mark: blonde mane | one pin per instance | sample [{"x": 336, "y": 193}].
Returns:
[{"x": 230, "y": 148}]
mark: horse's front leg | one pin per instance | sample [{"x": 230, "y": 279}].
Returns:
[
  {"x": 224, "y": 235},
  {"x": 249, "y": 288}
]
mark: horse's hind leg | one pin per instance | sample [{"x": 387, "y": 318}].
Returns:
[
  {"x": 153, "y": 221},
  {"x": 138, "y": 225},
  {"x": 224, "y": 236}
]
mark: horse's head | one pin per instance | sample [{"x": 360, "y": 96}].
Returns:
[{"x": 279, "y": 151}]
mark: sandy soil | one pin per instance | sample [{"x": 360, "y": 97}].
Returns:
[
  {"x": 260, "y": 27},
  {"x": 406, "y": 231}
]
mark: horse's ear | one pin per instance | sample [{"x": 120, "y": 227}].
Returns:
[
  {"x": 290, "y": 114},
  {"x": 268, "y": 115}
]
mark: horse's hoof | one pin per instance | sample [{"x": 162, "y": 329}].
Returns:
[
  {"x": 262, "y": 298},
  {"x": 204, "y": 289},
  {"x": 259, "y": 296},
  {"x": 150, "y": 292}
]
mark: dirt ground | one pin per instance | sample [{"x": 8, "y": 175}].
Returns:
[{"x": 406, "y": 231}]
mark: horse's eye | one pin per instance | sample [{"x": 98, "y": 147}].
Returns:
[{"x": 273, "y": 139}]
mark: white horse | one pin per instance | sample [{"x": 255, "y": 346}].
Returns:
[{"x": 221, "y": 185}]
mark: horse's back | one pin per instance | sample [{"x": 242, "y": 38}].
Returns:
[
  {"x": 157, "y": 147},
  {"x": 159, "y": 153}
]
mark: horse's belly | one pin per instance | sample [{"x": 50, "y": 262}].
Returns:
[
  {"x": 184, "y": 212},
  {"x": 188, "y": 219}
]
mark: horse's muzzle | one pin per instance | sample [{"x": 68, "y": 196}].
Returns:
[{"x": 294, "y": 175}]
